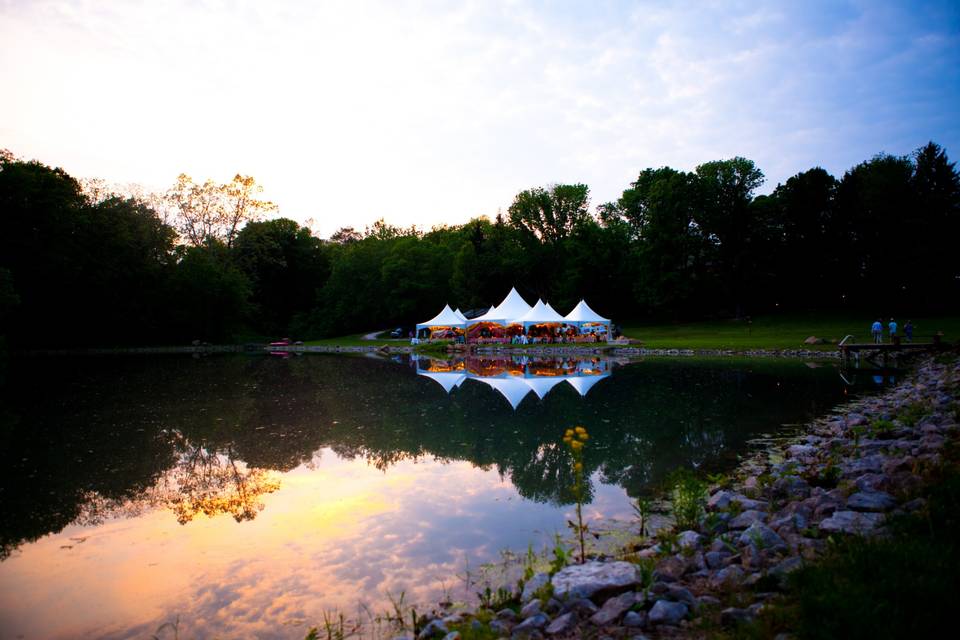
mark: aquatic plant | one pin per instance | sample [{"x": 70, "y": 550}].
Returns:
[
  {"x": 643, "y": 507},
  {"x": 689, "y": 499},
  {"x": 575, "y": 439}
]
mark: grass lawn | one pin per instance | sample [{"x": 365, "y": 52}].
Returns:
[{"x": 779, "y": 332}]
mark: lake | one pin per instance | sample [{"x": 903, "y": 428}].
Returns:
[{"x": 246, "y": 495}]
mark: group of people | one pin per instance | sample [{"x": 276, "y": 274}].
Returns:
[{"x": 877, "y": 330}]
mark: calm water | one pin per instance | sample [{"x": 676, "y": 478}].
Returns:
[{"x": 247, "y": 495}]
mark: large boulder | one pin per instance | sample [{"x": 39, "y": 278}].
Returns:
[
  {"x": 585, "y": 580},
  {"x": 533, "y": 585}
]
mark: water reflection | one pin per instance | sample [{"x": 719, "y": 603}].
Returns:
[
  {"x": 514, "y": 377},
  {"x": 248, "y": 494}
]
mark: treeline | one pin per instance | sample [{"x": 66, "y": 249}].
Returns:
[{"x": 82, "y": 265}]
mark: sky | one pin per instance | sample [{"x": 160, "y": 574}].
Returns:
[{"x": 430, "y": 113}]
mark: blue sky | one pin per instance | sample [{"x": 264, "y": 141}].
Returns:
[{"x": 430, "y": 112}]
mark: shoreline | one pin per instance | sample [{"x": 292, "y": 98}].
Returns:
[
  {"x": 844, "y": 474},
  {"x": 546, "y": 350}
]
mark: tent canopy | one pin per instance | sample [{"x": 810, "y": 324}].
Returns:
[
  {"x": 540, "y": 314},
  {"x": 583, "y": 313},
  {"x": 460, "y": 315},
  {"x": 446, "y": 318},
  {"x": 512, "y": 307}
]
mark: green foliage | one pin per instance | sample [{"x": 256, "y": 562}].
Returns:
[
  {"x": 910, "y": 415},
  {"x": 643, "y": 507},
  {"x": 562, "y": 556},
  {"x": 688, "y": 499}
]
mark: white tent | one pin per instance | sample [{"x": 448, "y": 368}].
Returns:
[
  {"x": 512, "y": 307},
  {"x": 446, "y": 379},
  {"x": 583, "y": 313},
  {"x": 446, "y": 318},
  {"x": 459, "y": 314},
  {"x": 540, "y": 314},
  {"x": 513, "y": 389}
]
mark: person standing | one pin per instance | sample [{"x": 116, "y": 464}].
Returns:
[
  {"x": 908, "y": 330},
  {"x": 877, "y": 331},
  {"x": 892, "y": 327}
]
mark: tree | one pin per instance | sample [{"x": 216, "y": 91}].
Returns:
[
  {"x": 211, "y": 211},
  {"x": 551, "y": 214},
  {"x": 726, "y": 190},
  {"x": 286, "y": 265}
]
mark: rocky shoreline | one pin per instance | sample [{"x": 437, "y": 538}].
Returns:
[{"x": 844, "y": 475}]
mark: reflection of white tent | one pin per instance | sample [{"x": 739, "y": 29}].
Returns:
[
  {"x": 583, "y": 313},
  {"x": 583, "y": 384},
  {"x": 540, "y": 314},
  {"x": 446, "y": 379},
  {"x": 542, "y": 386},
  {"x": 512, "y": 307},
  {"x": 446, "y": 318},
  {"x": 513, "y": 389}
]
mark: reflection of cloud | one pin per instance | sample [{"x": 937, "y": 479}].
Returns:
[{"x": 334, "y": 536}]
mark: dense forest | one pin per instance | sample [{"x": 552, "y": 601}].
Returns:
[{"x": 81, "y": 264}]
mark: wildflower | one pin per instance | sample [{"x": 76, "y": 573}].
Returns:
[
  {"x": 584, "y": 437},
  {"x": 568, "y": 433},
  {"x": 576, "y": 445},
  {"x": 580, "y": 430},
  {"x": 578, "y": 466}
]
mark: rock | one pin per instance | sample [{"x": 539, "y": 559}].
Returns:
[
  {"x": 867, "y": 464},
  {"x": 730, "y": 576},
  {"x": 710, "y": 601},
  {"x": 585, "y": 580},
  {"x": 583, "y": 607},
  {"x": 813, "y": 340},
  {"x": 453, "y": 635},
  {"x": 689, "y": 540},
  {"x": 530, "y": 628},
  {"x": 801, "y": 450},
  {"x": 786, "y": 567},
  {"x": 455, "y": 618},
  {"x": 671, "y": 569},
  {"x": 871, "y": 501},
  {"x": 721, "y": 500},
  {"x": 714, "y": 559},
  {"x": 613, "y": 608},
  {"x": 732, "y": 616},
  {"x": 507, "y": 614},
  {"x": 532, "y": 608},
  {"x": 433, "y": 629},
  {"x": 746, "y": 519},
  {"x": 869, "y": 481},
  {"x": 855, "y": 419},
  {"x": 501, "y": 627},
  {"x": 762, "y": 536},
  {"x": 562, "y": 624},
  {"x": 914, "y": 505},
  {"x": 635, "y": 619},
  {"x": 851, "y": 522},
  {"x": 534, "y": 584},
  {"x": 681, "y": 594},
  {"x": 666, "y": 612}
]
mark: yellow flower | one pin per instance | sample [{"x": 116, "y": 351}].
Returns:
[
  {"x": 576, "y": 445},
  {"x": 567, "y": 439},
  {"x": 578, "y": 466},
  {"x": 568, "y": 433},
  {"x": 584, "y": 437},
  {"x": 580, "y": 430}
]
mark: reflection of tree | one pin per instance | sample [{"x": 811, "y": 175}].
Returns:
[{"x": 202, "y": 481}]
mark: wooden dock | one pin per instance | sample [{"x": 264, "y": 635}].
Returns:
[{"x": 882, "y": 350}]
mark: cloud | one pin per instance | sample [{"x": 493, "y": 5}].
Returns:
[{"x": 432, "y": 112}]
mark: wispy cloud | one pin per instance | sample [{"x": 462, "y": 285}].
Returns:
[{"x": 433, "y": 112}]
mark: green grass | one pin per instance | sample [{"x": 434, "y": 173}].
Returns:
[{"x": 779, "y": 332}]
